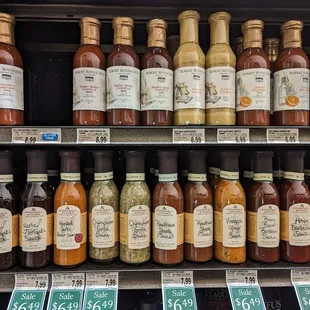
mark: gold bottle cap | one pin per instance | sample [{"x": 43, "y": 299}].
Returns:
[
  {"x": 219, "y": 32},
  {"x": 188, "y": 14},
  {"x": 271, "y": 47},
  {"x": 219, "y": 16},
  {"x": 7, "y": 23},
  {"x": 252, "y": 33},
  {"x": 90, "y": 30},
  {"x": 156, "y": 29},
  {"x": 123, "y": 27},
  {"x": 291, "y": 33}
]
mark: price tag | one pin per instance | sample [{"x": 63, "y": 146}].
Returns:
[
  {"x": 301, "y": 281},
  {"x": 67, "y": 291},
  {"x": 29, "y": 292},
  {"x": 283, "y": 135},
  {"x": 178, "y": 290},
  {"x": 191, "y": 136},
  {"x": 233, "y": 135},
  {"x": 244, "y": 290},
  {"x": 101, "y": 291},
  {"x": 93, "y": 135},
  {"x": 36, "y": 135}
]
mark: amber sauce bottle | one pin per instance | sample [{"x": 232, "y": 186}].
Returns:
[
  {"x": 253, "y": 78},
  {"x": 11, "y": 75},
  {"x": 157, "y": 77},
  {"x": 123, "y": 76},
  {"x": 89, "y": 99},
  {"x": 291, "y": 78}
]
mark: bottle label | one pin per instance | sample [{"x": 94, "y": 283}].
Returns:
[
  {"x": 291, "y": 89},
  {"x": 6, "y": 178},
  {"x": 104, "y": 176},
  {"x": 234, "y": 226},
  {"x": 189, "y": 88},
  {"x": 271, "y": 95},
  {"x": 6, "y": 231},
  {"x": 229, "y": 175},
  {"x": 195, "y": 177},
  {"x": 294, "y": 176},
  {"x": 170, "y": 177},
  {"x": 89, "y": 89},
  {"x": 70, "y": 177},
  {"x": 11, "y": 87},
  {"x": 220, "y": 87},
  {"x": 263, "y": 177},
  {"x": 157, "y": 89},
  {"x": 214, "y": 170},
  {"x": 253, "y": 89},
  {"x": 135, "y": 176},
  {"x": 37, "y": 177},
  {"x": 168, "y": 228},
  {"x": 123, "y": 88},
  {"x": 103, "y": 226},
  {"x": 199, "y": 226},
  {"x": 70, "y": 227}
]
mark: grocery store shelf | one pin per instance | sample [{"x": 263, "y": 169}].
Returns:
[{"x": 148, "y": 276}]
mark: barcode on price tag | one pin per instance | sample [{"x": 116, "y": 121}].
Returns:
[
  {"x": 36, "y": 135},
  {"x": 104, "y": 279},
  {"x": 283, "y": 135},
  {"x": 93, "y": 135},
  {"x": 233, "y": 135},
  {"x": 191, "y": 136},
  {"x": 68, "y": 280},
  {"x": 31, "y": 281}
]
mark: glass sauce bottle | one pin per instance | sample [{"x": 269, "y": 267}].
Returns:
[
  {"x": 157, "y": 77},
  {"x": 263, "y": 212},
  {"x": 123, "y": 76},
  {"x": 89, "y": 99},
  {"x": 220, "y": 73},
  {"x": 11, "y": 75},
  {"x": 291, "y": 78},
  {"x": 229, "y": 212},
  {"x": 213, "y": 170},
  {"x": 8, "y": 213},
  {"x": 198, "y": 210},
  {"x": 70, "y": 213},
  {"x": 168, "y": 212},
  {"x": 238, "y": 46},
  {"x": 278, "y": 172},
  {"x": 36, "y": 215},
  {"x": 253, "y": 78},
  {"x": 189, "y": 74},
  {"x": 295, "y": 210}
]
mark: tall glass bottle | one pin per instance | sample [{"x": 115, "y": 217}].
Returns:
[
  {"x": 123, "y": 76},
  {"x": 291, "y": 78},
  {"x": 9, "y": 203},
  {"x": 189, "y": 74},
  {"x": 11, "y": 75},
  {"x": 70, "y": 213},
  {"x": 220, "y": 73},
  {"x": 238, "y": 46},
  {"x": 89, "y": 99},
  {"x": 253, "y": 78},
  {"x": 157, "y": 77},
  {"x": 36, "y": 215}
]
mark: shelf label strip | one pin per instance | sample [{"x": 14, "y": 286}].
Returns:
[
  {"x": 283, "y": 135},
  {"x": 239, "y": 136},
  {"x": 301, "y": 282},
  {"x": 36, "y": 135},
  {"x": 93, "y": 135},
  {"x": 189, "y": 136}
]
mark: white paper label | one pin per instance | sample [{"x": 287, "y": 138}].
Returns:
[
  {"x": 74, "y": 280},
  {"x": 156, "y": 89},
  {"x": 6, "y": 178},
  {"x": 104, "y": 176},
  {"x": 241, "y": 277},
  {"x": 135, "y": 176},
  {"x": 299, "y": 224},
  {"x": 89, "y": 89},
  {"x": 123, "y": 88},
  {"x": 139, "y": 227},
  {"x": 234, "y": 226},
  {"x": 31, "y": 281},
  {"x": 192, "y": 136},
  {"x": 68, "y": 226},
  {"x": 177, "y": 278},
  {"x": 283, "y": 135},
  {"x": 6, "y": 233},
  {"x": 34, "y": 229},
  {"x": 253, "y": 89},
  {"x": 165, "y": 226},
  {"x": 203, "y": 226},
  {"x": 271, "y": 95},
  {"x": 233, "y": 135},
  {"x": 195, "y": 177},
  {"x": 103, "y": 226},
  {"x": 92, "y": 135},
  {"x": 189, "y": 88},
  {"x": 291, "y": 89},
  {"x": 104, "y": 279},
  {"x": 268, "y": 226},
  {"x": 169, "y": 177},
  {"x": 35, "y": 135},
  {"x": 11, "y": 87},
  {"x": 220, "y": 87}
]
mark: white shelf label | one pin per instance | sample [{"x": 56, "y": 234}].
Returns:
[
  {"x": 241, "y": 277},
  {"x": 177, "y": 278},
  {"x": 93, "y": 135},
  {"x": 191, "y": 136},
  {"x": 233, "y": 135},
  {"x": 36, "y": 135},
  {"x": 31, "y": 281},
  {"x": 105, "y": 279},
  {"x": 283, "y": 135},
  {"x": 68, "y": 280}
]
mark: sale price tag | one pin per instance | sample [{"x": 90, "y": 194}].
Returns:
[
  {"x": 101, "y": 291},
  {"x": 233, "y": 135},
  {"x": 36, "y": 135},
  {"x": 29, "y": 292},
  {"x": 178, "y": 290},
  {"x": 283, "y": 135},
  {"x": 190, "y": 136},
  {"x": 244, "y": 290},
  {"x": 67, "y": 291},
  {"x": 93, "y": 135},
  {"x": 301, "y": 281}
]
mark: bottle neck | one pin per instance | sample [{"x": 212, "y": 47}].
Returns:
[
  {"x": 123, "y": 35},
  {"x": 189, "y": 30},
  {"x": 253, "y": 37},
  {"x": 292, "y": 38},
  {"x": 272, "y": 50},
  {"x": 157, "y": 37},
  {"x": 219, "y": 32},
  {"x": 90, "y": 34},
  {"x": 7, "y": 33}
]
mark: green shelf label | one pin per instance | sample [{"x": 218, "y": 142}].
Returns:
[
  {"x": 246, "y": 298},
  {"x": 303, "y": 295},
  {"x": 65, "y": 299},
  {"x": 100, "y": 299},
  {"x": 27, "y": 300},
  {"x": 179, "y": 298}
]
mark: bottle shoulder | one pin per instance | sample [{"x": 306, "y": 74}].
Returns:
[
  {"x": 220, "y": 55},
  {"x": 189, "y": 54},
  {"x": 89, "y": 56},
  {"x": 9, "y": 55},
  {"x": 123, "y": 55}
]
